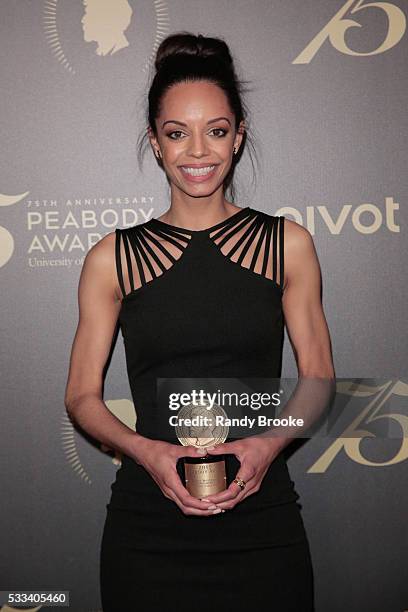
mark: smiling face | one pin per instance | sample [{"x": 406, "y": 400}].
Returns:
[{"x": 196, "y": 134}]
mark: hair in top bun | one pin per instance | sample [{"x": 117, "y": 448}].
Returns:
[
  {"x": 184, "y": 57},
  {"x": 184, "y": 45}
]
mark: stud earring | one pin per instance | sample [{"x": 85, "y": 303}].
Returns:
[
  {"x": 158, "y": 154},
  {"x": 235, "y": 150}
]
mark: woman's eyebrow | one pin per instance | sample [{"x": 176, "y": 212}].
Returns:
[{"x": 185, "y": 124}]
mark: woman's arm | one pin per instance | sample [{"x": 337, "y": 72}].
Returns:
[
  {"x": 305, "y": 320},
  {"x": 98, "y": 313},
  {"x": 308, "y": 333}
]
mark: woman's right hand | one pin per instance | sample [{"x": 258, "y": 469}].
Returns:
[{"x": 160, "y": 458}]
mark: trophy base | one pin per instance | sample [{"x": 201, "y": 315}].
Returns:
[{"x": 205, "y": 475}]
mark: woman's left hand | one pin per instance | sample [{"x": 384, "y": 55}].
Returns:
[{"x": 255, "y": 454}]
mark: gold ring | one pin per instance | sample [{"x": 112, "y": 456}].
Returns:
[{"x": 241, "y": 483}]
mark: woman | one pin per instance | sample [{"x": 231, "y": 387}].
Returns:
[{"x": 201, "y": 291}]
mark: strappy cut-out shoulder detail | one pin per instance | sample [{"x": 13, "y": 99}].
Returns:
[
  {"x": 255, "y": 242},
  {"x": 251, "y": 239},
  {"x": 141, "y": 257}
]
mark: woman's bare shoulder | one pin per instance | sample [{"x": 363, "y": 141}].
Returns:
[
  {"x": 102, "y": 252},
  {"x": 301, "y": 260},
  {"x": 297, "y": 238},
  {"x": 100, "y": 263}
]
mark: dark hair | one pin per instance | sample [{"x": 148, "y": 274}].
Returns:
[{"x": 183, "y": 57}]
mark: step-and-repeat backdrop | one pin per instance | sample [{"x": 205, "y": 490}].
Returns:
[{"x": 328, "y": 111}]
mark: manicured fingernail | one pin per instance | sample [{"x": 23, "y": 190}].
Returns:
[
  {"x": 204, "y": 499},
  {"x": 217, "y": 511},
  {"x": 210, "y": 447},
  {"x": 212, "y": 507},
  {"x": 201, "y": 451}
]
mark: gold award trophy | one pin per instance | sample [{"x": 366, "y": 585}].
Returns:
[{"x": 203, "y": 475}]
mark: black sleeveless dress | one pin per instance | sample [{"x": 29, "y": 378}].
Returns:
[{"x": 202, "y": 303}]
